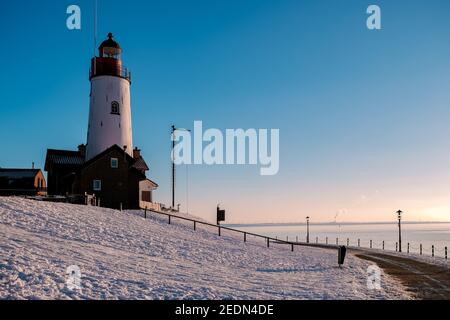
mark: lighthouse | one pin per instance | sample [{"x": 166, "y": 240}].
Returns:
[
  {"x": 110, "y": 106},
  {"x": 107, "y": 171}
]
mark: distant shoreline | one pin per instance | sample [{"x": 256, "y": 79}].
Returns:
[{"x": 290, "y": 224}]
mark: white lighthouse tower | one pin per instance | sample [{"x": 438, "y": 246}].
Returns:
[{"x": 110, "y": 107}]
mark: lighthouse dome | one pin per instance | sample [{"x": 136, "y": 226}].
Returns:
[{"x": 110, "y": 47}]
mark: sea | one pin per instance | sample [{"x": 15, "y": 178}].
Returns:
[{"x": 368, "y": 235}]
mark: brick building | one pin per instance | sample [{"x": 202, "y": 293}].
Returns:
[{"x": 14, "y": 182}]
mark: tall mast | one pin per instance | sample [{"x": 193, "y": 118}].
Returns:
[{"x": 95, "y": 28}]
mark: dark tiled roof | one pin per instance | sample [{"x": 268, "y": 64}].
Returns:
[
  {"x": 140, "y": 164},
  {"x": 63, "y": 157},
  {"x": 18, "y": 173},
  {"x": 107, "y": 151}
]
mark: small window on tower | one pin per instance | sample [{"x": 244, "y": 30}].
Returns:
[
  {"x": 115, "y": 107},
  {"x": 114, "y": 163}
]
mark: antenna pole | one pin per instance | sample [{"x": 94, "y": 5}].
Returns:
[{"x": 95, "y": 27}]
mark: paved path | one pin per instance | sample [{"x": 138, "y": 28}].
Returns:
[{"x": 426, "y": 281}]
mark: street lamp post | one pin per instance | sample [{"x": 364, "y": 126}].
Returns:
[
  {"x": 399, "y": 216},
  {"x": 174, "y": 129},
  {"x": 173, "y": 166},
  {"x": 307, "y": 229}
]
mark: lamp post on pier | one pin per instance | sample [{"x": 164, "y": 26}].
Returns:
[
  {"x": 307, "y": 229},
  {"x": 399, "y": 216}
]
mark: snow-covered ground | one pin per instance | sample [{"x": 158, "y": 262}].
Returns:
[{"x": 123, "y": 256}]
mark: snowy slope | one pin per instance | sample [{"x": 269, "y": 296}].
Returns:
[{"x": 123, "y": 256}]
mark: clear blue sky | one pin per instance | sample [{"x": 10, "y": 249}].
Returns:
[{"x": 363, "y": 115}]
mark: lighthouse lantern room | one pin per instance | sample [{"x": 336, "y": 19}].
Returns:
[{"x": 110, "y": 106}]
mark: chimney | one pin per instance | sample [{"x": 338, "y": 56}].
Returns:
[
  {"x": 136, "y": 153},
  {"x": 82, "y": 150},
  {"x": 32, "y": 165}
]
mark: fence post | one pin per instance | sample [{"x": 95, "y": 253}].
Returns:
[
  {"x": 348, "y": 242},
  {"x": 359, "y": 242},
  {"x": 268, "y": 245},
  {"x": 170, "y": 219},
  {"x": 408, "y": 248},
  {"x": 296, "y": 239},
  {"x": 432, "y": 251},
  {"x": 145, "y": 213},
  {"x": 326, "y": 240},
  {"x": 446, "y": 253},
  {"x": 292, "y": 248},
  {"x": 396, "y": 246},
  {"x": 421, "y": 249},
  {"x": 317, "y": 240},
  {"x": 245, "y": 237},
  {"x": 383, "y": 244},
  {"x": 371, "y": 244},
  {"x": 337, "y": 241},
  {"x": 220, "y": 231},
  {"x": 195, "y": 225}
]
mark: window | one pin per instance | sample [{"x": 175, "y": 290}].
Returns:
[
  {"x": 147, "y": 196},
  {"x": 114, "y": 163},
  {"x": 97, "y": 185},
  {"x": 115, "y": 107}
]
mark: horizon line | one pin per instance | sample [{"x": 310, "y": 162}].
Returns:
[{"x": 281, "y": 224}]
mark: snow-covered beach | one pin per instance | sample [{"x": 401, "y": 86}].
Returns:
[{"x": 121, "y": 255}]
